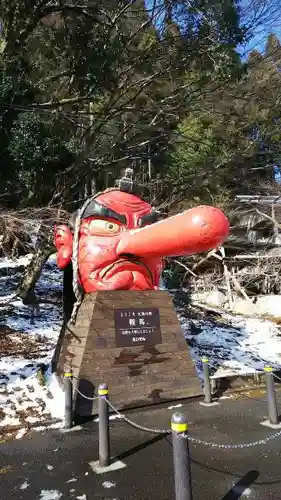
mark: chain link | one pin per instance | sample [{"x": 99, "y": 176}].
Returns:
[
  {"x": 277, "y": 378},
  {"x": 86, "y": 397},
  {"x": 196, "y": 440},
  {"x": 138, "y": 426},
  {"x": 232, "y": 446},
  {"x": 130, "y": 422},
  {"x": 184, "y": 435}
]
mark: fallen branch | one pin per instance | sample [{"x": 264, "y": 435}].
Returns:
[
  {"x": 239, "y": 287},
  {"x": 210, "y": 254},
  {"x": 269, "y": 217},
  {"x": 186, "y": 268}
]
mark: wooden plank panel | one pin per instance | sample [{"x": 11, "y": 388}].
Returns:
[
  {"x": 137, "y": 374},
  {"x": 96, "y": 342},
  {"x": 149, "y": 396},
  {"x": 125, "y": 382},
  {"x": 108, "y": 355}
]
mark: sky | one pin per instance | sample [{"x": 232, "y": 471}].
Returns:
[{"x": 264, "y": 17}]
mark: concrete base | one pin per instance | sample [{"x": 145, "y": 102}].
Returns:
[
  {"x": 97, "y": 469},
  {"x": 214, "y": 403},
  {"x": 266, "y": 423}
]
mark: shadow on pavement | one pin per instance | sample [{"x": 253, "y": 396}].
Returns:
[{"x": 139, "y": 447}]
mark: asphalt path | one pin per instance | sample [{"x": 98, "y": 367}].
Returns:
[{"x": 56, "y": 465}]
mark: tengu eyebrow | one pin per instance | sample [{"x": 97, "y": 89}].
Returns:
[
  {"x": 149, "y": 218},
  {"x": 97, "y": 209}
]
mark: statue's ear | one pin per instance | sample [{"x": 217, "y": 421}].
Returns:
[{"x": 63, "y": 240}]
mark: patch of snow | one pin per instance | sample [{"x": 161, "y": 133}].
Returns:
[
  {"x": 7, "y": 298},
  {"x": 73, "y": 480},
  {"x": 174, "y": 406},
  {"x": 111, "y": 417},
  {"x": 26, "y": 394},
  {"x": 12, "y": 263},
  {"x": 10, "y": 419},
  {"x": 21, "y": 392},
  {"x": 247, "y": 492},
  {"x": 53, "y": 259},
  {"x": 50, "y": 495},
  {"x": 56, "y": 403},
  {"x": 237, "y": 346},
  {"x": 50, "y": 467},
  {"x": 44, "y": 323},
  {"x": 239, "y": 490},
  {"x": 82, "y": 497},
  {"x": 24, "y": 486},
  {"x": 21, "y": 433},
  {"x": 57, "y": 425},
  {"x": 108, "y": 484}
]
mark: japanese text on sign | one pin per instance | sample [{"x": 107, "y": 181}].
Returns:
[{"x": 137, "y": 327}]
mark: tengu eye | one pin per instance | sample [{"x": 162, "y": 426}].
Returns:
[{"x": 103, "y": 227}]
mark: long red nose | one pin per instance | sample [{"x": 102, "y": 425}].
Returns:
[{"x": 197, "y": 230}]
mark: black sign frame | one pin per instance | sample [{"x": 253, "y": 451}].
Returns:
[{"x": 137, "y": 326}]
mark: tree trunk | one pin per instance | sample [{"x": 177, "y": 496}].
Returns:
[
  {"x": 68, "y": 294},
  {"x": 32, "y": 274}
]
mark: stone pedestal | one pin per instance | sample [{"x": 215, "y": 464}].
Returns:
[{"x": 133, "y": 341}]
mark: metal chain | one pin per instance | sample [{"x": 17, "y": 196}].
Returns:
[
  {"x": 195, "y": 440},
  {"x": 130, "y": 422},
  {"x": 86, "y": 397},
  {"x": 232, "y": 446},
  {"x": 185, "y": 436},
  {"x": 138, "y": 426},
  {"x": 275, "y": 376}
]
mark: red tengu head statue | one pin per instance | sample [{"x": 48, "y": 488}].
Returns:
[
  {"x": 119, "y": 242},
  {"x": 103, "y": 224}
]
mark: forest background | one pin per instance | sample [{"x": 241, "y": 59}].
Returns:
[{"x": 187, "y": 92}]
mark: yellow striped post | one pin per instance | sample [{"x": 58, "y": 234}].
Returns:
[
  {"x": 271, "y": 396},
  {"x": 179, "y": 427},
  {"x": 181, "y": 457},
  {"x": 207, "y": 383},
  {"x": 104, "y": 441},
  {"x": 68, "y": 394},
  {"x": 102, "y": 391}
]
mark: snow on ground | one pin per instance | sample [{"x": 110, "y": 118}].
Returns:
[
  {"x": 239, "y": 345},
  {"x": 30, "y": 394}
]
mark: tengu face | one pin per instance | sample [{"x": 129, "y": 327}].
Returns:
[
  {"x": 120, "y": 247},
  {"x": 105, "y": 221}
]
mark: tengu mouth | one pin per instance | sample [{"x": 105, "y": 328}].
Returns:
[{"x": 126, "y": 264}]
